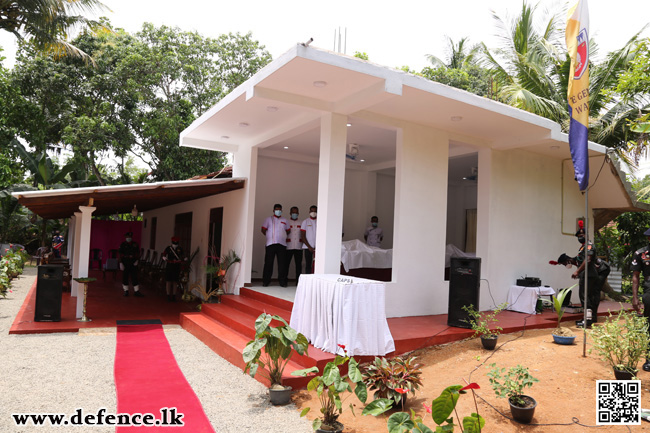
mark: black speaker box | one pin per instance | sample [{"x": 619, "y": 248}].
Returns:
[
  {"x": 49, "y": 288},
  {"x": 464, "y": 285}
]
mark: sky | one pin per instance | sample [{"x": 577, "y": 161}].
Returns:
[{"x": 393, "y": 33}]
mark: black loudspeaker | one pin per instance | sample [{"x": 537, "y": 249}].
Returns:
[
  {"x": 464, "y": 285},
  {"x": 49, "y": 288}
]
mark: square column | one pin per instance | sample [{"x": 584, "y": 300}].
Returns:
[
  {"x": 83, "y": 221},
  {"x": 245, "y": 165},
  {"x": 331, "y": 186}
]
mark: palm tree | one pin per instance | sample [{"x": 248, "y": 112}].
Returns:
[
  {"x": 459, "y": 55},
  {"x": 532, "y": 68},
  {"x": 47, "y": 23}
]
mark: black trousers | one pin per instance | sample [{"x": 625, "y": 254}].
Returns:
[
  {"x": 296, "y": 256},
  {"x": 594, "y": 285},
  {"x": 130, "y": 270},
  {"x": 273, "y": 251},
  {"x": 309, "y": 258}
]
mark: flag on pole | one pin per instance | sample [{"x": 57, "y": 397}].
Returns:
[{"x": 577, "y": 41}]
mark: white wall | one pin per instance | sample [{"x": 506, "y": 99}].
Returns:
[
  {"x": 418, "y": 286},
  {"x": 461, "y": 197},
  {"x": 524, "y": 230},
  {"x": 233, "y": 233},
  {"x": 385, "y": 207}
]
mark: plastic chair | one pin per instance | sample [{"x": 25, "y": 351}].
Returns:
[
  {"x": 112, "y": 265},
  {"x": 40, "y": 252},
  {"x": 96, "y": 255}
]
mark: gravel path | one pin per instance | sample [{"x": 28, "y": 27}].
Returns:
[{"x": 58, "y": 373}]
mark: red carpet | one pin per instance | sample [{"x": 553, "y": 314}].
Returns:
[{"x": 147, "y": 379}]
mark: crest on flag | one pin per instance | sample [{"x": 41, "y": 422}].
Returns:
[{"x": 582, "y": 58}]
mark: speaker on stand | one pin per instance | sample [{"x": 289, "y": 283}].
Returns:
[
  {"x": 464, "y": 289},
  {"x": 49, "y": 288}
]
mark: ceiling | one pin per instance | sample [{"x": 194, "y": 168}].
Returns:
[{"x": 109, "y": 200}]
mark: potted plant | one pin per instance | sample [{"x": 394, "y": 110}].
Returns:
[
  {"x": 511, "y": 383},
  {"x": 562, "y": 335},
  {"x": 392, "y": 378},
  {"x": 217, "y": 268},
  {"x": 621, "y": 341},
  {"x": 441, "y": 409},
  {"x": 480, "y": 323},
  {"x": 331, "y": 384},
  {"x": 271, "y": 349}
]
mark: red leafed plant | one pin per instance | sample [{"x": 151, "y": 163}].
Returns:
[{"x": 392, "y": 378}]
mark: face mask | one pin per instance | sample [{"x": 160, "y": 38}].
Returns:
[
  {"x": 374, "y": 224},
  {"x": 277, "y": 213},
  {"x": 174, "y": 244},
  {"x": 581, "y": 240},
  {"x": 129, "y": 239},
  {"x": 294, "y": 216},
  {"x": 312, "y": 214},
  {"x": 568, "y": 265}
]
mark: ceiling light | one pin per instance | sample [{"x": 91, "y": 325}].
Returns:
[
  {"x": 320, "y": 83},
  {"x": 243, "y": 124},
  {"x": 362, "y": 160},
  {"x": 225, "y": 137},
  {"x": 271, "y": 109},
  {"x": 349, "y": 124},
  {"x": 456, "y": 118},
  {"x": 286, "y": 147}
]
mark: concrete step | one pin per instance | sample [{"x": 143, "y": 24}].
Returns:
[{"x": 229, "y": 344}]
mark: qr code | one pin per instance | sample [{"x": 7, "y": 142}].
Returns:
[{"x": 619, "y": 402}]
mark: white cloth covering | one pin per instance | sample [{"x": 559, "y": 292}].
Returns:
[
  {"x": 335, "y": 309},
  {"x": 524, "y": 299},
  {"x": 356, "y": 254},
  {"x": 453, "y": 251}
]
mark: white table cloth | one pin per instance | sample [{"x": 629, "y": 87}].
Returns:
[
  {"x": 524, "y": 299},
  {"x": 356, "y": 254},
  {"x": 335, "y": 309}
]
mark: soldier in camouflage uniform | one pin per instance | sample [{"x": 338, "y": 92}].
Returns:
[{"x": 641, "y": 263}]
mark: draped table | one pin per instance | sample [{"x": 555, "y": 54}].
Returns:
[
  {"x": 335, "y": 309},
  {"x": 524, "y": 299}
]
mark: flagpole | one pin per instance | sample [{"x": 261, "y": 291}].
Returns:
[{"x": 586, "y": 274}]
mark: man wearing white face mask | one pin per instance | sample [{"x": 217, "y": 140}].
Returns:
[
  {"x": 294, "y": 243},
  {"x": 308, "y": 235},
  {"x": 275, "y": 228}
]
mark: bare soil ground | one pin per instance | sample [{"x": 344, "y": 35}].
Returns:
[{"x": 566, "y": 389}]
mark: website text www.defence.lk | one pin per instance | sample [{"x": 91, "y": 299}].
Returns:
[{"x": 168, "y": 417}]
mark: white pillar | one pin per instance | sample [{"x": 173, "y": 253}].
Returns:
[
  {"x": 245, "y": 165},
  {"x": 484, "y": 201},
  {"x": 82, "y": 252},
  {"x": 74, "y": 263},
  {"x": 70, "y": 240},
  {"x": 418, "y": 286},
  {"x": 331, "y": 186}
]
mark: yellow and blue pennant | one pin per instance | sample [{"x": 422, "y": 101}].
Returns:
[{"x": 577, "y": 41}]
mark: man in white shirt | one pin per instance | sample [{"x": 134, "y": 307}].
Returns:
[
  {"x": 294, "y": 243},
  {"x": 308, "y": 235},
  {"x": 374, "y": 234},
  {"x": 275, "y": 228}
]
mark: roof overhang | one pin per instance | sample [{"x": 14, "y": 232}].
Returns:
[
  {"x": 118, "y": 199},
  {"x": 286, "y": 99}
]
